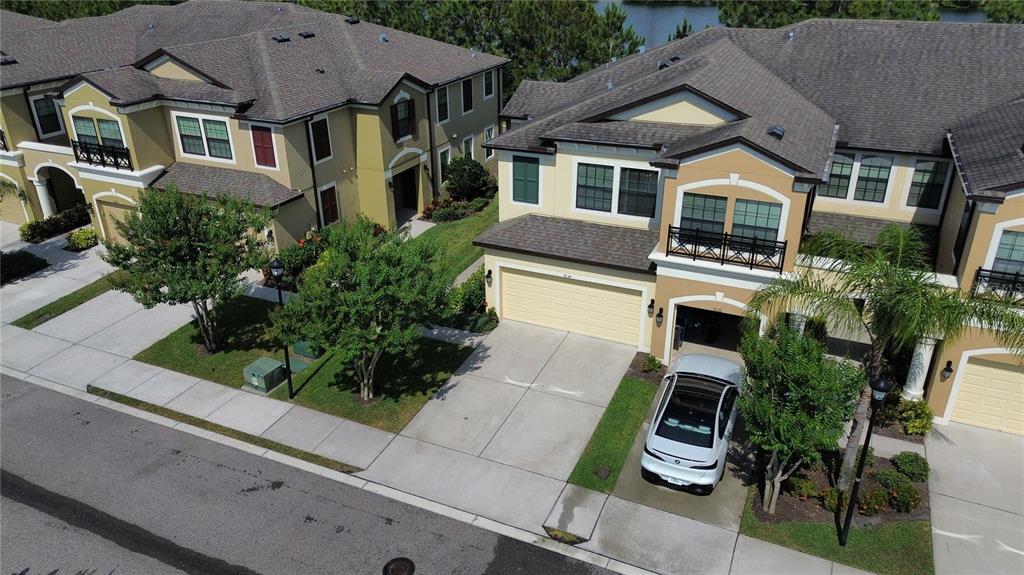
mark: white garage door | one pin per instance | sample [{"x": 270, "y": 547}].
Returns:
[
  {"x": 581, "y": 307},
  {"x": 991, "y": 395}
]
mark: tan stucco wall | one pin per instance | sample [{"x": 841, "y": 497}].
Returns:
[
  {"x": 680, "y": 108},
  {"x": 981, "y": 239},
  {"x": 16, "y": 120},
  {"x": 749, "y": 168},
  {"x": 712, "y": 297},
  {"x": 895, "y": 205},
  {"x": 459, "y": 125},
  {"x": 580, "y": 272},
  {"x": 937, "y": 391},
  {"x": 293, "y": 220},
  {"x": 12, "y": 208},
  {"x": 171, "y": 69},
  {"x": 945, "y": 258},
  {"x": 151, "y": 138}
]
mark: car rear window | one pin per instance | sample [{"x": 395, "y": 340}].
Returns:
[{"x": 689, "y": 416}]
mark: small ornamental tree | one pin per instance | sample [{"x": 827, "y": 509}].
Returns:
[
  {"x": 366, "y": 296},
  {"x": 794, "y": 402},
  {"x": 466, "y": 179},
  {"x": 186, "y": 249}
]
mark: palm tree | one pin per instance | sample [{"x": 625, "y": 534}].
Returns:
[{"x": 888, "y": 292}]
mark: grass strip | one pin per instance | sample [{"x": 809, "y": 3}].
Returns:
[
  {"x": 68, "y": 302},
  {"x": 457, "y": 239},
  {"x": 897, "y": 548},
  {"x": 227, "y": 431},
  {"x": 610, "y": 444}
]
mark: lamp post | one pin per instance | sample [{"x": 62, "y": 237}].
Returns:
[
  {"x": 879, "y": 389},
  {"x": 277, "y": 272}
]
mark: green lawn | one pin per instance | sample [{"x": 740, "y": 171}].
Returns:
[
  {"x": 68, "y": 302},
  {"x": 457, "y": 238},
  {"x": 901, "y": 548},
  {"x": 243, "y": 322},
  {"x": 402, "y": 385},
  {"x": 613, "y": 438}
]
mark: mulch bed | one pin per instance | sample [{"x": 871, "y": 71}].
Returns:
[
  {"x": 636, "y": 370},
  {"x": 895, "y": 431},
  {"x": 790, "y": 508}
]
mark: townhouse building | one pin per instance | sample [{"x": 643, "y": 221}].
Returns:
[
  {"x": 316, "y": 116},
  {"x": 646, "y": 201}
]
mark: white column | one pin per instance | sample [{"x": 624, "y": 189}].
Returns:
[
  {"x": 922, "y": 360},
  {"x": 797, "y": 321},
  {"x": 45, "y": 201}
]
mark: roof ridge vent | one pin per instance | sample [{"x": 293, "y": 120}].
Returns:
[
  {"x": 307, "y": 35},
  {"x": 674, "y": 59},
  {"x": 151, "y": 27},
  {"x": 662, "y": 65},
  {"x": 351, "y": 19},
  {"x": 610, "y": 85},
  {"x": 777, "y": 132},
  {"x": 281, "y": 39},
  {"x": 383, "y": 38},
  {"x": 790, "y": 34}
]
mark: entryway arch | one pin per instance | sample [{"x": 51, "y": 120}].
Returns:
[{"x": 57, "y": 188}]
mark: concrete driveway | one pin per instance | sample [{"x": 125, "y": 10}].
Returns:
[
  {"x": 528, "y": 397},
  {"x": 976, "y": 499}
]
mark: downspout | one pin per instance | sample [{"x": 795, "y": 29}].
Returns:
[
  {"x": 312, "y": 170},
  {"x": 430, "y": 133}
]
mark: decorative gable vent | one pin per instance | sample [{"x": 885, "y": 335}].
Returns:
[
  {"x": 281, "y": 39},
  {"x": 307, "y": 35},
  {"x": 777, "y": 132}
]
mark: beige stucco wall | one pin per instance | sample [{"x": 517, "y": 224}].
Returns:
[
  {"x": 16, "y": 120},
  {"x": 983, "y": 239},
  {"x": 171, "y": 69},
  {"x": 293, "y": 220},
  {"x": 459, "y": 126},
  {"x": 12, "y": 208},
  {"x": 681, "y": 108},
  {"x": 151, "y": 138},
  {"x": 895, "y": 205},
  {"x": 580, "y": 272},
  {"x": 938, "y": 392},
  {"x": 945, "y": 257}
]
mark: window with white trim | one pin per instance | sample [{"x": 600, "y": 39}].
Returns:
[
  {"x": 442, "y": 105},
  {"x": 488, "y": 84},
  {"x": 616, "y": 190},
  {"x": 838, "y": 185},
  {"x": 467, "y": 147},
  {"x": 872, "y": 178},
  {"x": 263, "y": 146},
  {"x": 488, "y": 136},
  {"x": 594, "y": 185},
  {"x": 1010, "y": 253},
  {"x": 638, "y": 192},
  {"x": 204, "y": 137},
  {"x": 702, "y": 212},
  {"x": 467, "y": 95},
  {"x": 525, "y": 180},
  {"x": 754, "y": 219},
  {"x": 928, "y": 183},
  {"x": 47, "y": 116},
  {"x": 97, "y": 131}
]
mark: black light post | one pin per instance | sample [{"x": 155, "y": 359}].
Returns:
[
  {"x": 277, "y": 272},
  {"x": 879, "y": 389}
]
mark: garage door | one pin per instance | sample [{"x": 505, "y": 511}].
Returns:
[
  {"x": 111, "y": 212},
  {"x": 991, "y": 395},
  {"x": 580, "y": 307}
]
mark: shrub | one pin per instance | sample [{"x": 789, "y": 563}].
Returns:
[
  {"x": 471, "y": 296},
  {"x": 873, "y": 503},
  {"x": 450, "y": 212},
  {"x": 82, "y": 239},
  {"x": 911, "y": 464},
  {"x": 830, "y": 498},
  {"x": 916, "y": 417},
  {"x": 651, "y": 364},
  {"x": 16, "y": 265},
  {"x": 801, "y": 487},
  {"x": 55, "y": 225},
  {"x": 467, "y": 179},
  {"x": 479, "y": 204},
  {"x": 815, "y": 328},
  {"x": 901, "y": 493},
  {"x": 297, "y": 258}
]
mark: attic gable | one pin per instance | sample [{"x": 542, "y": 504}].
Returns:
[{"x": 684, "y": 108}]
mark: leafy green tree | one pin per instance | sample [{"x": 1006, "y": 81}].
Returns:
[
  {"x": 795, "y": 402},
  {"x": 57, "y": 10},
  {"x": 682, "y": 30},
  {"x": 466, "y": 179},
  {"x": 367, "y": 296},
  {"x": 185, "y": 249},
  {"x": 888, "y": 292},
  {"x": 778, "y": 13},
  {"x": 1004, "y": 11}
]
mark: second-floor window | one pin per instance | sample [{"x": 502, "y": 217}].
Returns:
[
  {"x": 263, "y": 146},
  {"x": 704, "y": 213},
  {"x": 204, "y": 137},
  {"x": 488, "y": 84},
  {"x": 873, "y": 178},
  {"x": 47, "y": 116},
  {"x": 488, "y": 136},
  {"x": 838, "y": 185},
  {"x": 320, "y": 133},
  {"x": 753, "y": 219},
  {"x": 467, "y": 95},
  {"x": 442, "y": 105},
  {"x": 98, "y": 131},
  {"x": 403, "y": 119},
  {"x": 525, "y": 180},
  {"x": 638, "y": 192},
  {"x": 594, "y": 184},
  {"x": 1010, "y": 253},
  {"x": 928, "y": 183}
]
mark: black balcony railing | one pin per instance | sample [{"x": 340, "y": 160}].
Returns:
[
  {"x": 3, "y": 142},
  {"x": 100, "y": 155},
  {"x": 726, "y": 248},
  {"x": 1006, "y": 286}
]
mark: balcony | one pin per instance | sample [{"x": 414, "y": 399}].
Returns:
[
  {"x": 99, "y": 155},
  {"x": 3, "y": 142},
  {"x": 999, "y": 285},
  {"x": 726, "y": 248}
]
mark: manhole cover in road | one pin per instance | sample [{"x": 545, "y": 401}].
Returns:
[{"x": 399, "y": 566}]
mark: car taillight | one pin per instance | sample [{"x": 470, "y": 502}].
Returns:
[
  {"x": 653, "y": 454},
  {"x": 712, "y": 465}
]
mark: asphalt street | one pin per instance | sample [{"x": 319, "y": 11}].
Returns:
[{"x": 88, "y": 490}]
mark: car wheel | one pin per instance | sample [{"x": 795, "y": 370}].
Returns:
[
  {"x": 648, "y": 476},
  {"x": 721, "y": 474}
]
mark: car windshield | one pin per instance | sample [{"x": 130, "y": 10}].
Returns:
[{"x": 690, "y": 416}]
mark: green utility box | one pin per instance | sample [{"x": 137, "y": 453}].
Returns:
[
  {"x": 307, "y": 349},
  {"x": 264, "y": 374}
]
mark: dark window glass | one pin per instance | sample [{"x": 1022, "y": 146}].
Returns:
[
  {"x": 85, "y": 130},
  {"x": 1010, "y": 253},
  {"x": 704, "y": 213},
  {"x": 217, "y": 139},
  {"x": 191, "y": 136},
  {"x": 594, "y": 187},
  {"x": 873, "y": 178},
  {"x": 263, "y": 145},
  {"x": 328, "y": 205},
  {"x": 839, "y": 179},
  {"x": 723, "y": 414},
  {"x": 927, "y": 185},
  {"x": 445, "y": 157},
  {"x": 754, "y": 219},
  {"x": 525, "y": 179},
  {"x": 403, "y": 119},
  {"x": 638, "y": 192},
  {"x": 110, "y": 133},
  {"x": 689, "y": 416},
  {"x": 46, "y": 113},
  {"x": 321, "y": 139},
  {"x": 467, "y": 95},
  {"x": 489, "y": 83},
  {"x": 442, "y": 104}
]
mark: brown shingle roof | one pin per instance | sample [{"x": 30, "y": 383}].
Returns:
[
  {"x": 989, "y": 151},
  {"x": 198, "y": 179}
]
